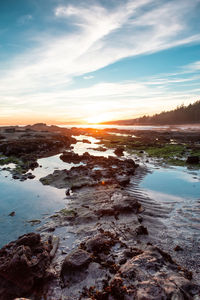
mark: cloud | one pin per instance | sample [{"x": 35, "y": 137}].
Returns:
[
  {"x": 116, "y": 100},
  {"x": 88, "y": 77},
  {"x": 99, "y": 36},
  {"x": 25, "y": 19}
]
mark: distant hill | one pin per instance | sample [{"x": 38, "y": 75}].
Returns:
[{"x": 181, "y": 115}]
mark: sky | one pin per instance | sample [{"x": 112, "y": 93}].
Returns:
[{"x": 96, "y": 60}]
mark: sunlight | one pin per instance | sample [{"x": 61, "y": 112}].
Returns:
[{"x": 95, "y": 120}]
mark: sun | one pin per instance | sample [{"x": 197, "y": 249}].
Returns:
[{"x": 95, "y": 119}]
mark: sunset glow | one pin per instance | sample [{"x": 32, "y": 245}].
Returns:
[{"x": 60, "y": 59}]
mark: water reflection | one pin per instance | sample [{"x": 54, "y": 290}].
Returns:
[
  {"x": 29, "y": 200},
  {"x": 174, "y": 198}
]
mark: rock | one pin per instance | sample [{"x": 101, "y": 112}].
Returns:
[
  {"x": 67, "y": 192},
  {"x": 23, "y": 264},
  {"x": 141, "y": 230},
  {"x": 76, "y": 260},
  {"x": 99, "y": 243},
  {"x": 97, "y": 171},
  {"x": 123, "y": 180},
  {"x": 86, "y": 141},
  {"x": 12, "y": 214},
  {"x": 30, "y": 176},
  {"x": 119, "y": 151},
  {"x": 193, "y": 160},
  {"x": 150, "y": 276},
  {"x": 178, "y": 248}
]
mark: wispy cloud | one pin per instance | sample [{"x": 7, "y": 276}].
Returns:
[
  {"x": 25, "y": 19},
  {"x": 102, "y": 36},
  {"x": 88, "y": 77}
]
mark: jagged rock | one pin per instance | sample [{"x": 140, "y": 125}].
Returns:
[
  {"x": 151, "y": 276},
  {"x": 23, "y": 264},
  {"x": 110, "y": 170}
]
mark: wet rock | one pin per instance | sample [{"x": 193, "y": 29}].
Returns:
[
  {"x": 119, "y": 151},
  {"x": 193, "y": 160},
  {"x": 76, "y": 260},
  {"x": 100, "y": 243},
  {"x": 67, "y": 192},
  {"x": 12, "y": 214},
  {"x": 102, "y": 149},
  {"x": 110, "y": 170},
  {"x": 74, "y": 266},
  {"x": 86, "y": 141},
  {"x": 71, "y": 157},
  {"x": 141, "y": 230},
  {"x": 149, "y": 276},
  {"x": 178, "y": 248},
  {"x": 30, "y": 176},
  {"x": 23, "y": 264},
  {"x": 123, "y": 180}
]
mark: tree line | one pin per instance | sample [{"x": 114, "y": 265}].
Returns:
[{"x": 180, "y": 115}]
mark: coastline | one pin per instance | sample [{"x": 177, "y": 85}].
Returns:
[{"x": 111, "y": 239}]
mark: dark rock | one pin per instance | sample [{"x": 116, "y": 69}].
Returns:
[
  {"x": 193, "y": 160},
  {"x": 110, "y": 170},
  {"x": 51, "y": 229},
  {"x": 23, "y": 265},
  {"x": 141, "y": 230},
  {"x": 99, "y": 243},
  {"x": 67, "y": 192},
  {"x": 178, "y": 248},
  {"x": 30, "y": 176},
  {"x": 76, "y": 260},
  {"x": 12, "y": 214},
  {"x": 86, "y": 141},
  {"x": 119, "y": 151}
]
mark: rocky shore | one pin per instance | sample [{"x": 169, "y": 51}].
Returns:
[{"x": 97, "y": 247}]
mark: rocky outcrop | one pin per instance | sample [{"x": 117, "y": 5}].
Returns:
[
  {"x": 36, "y": 145},
  {"x": 152, "y": 275},
  {"x": 23, "y": 265},
  {"x": 99, "y": 170}
]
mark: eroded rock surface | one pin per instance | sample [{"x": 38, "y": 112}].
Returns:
[
  {"x": 23, "y": 265},
  {"x": 98, "y": 170}
]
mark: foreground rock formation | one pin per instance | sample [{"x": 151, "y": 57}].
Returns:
[
  {"x": 98, "y": 246},
  {"x": 105, "y": 252},
  {"x": 23, "y": 265},
  {"x": 95, "y": 171}
]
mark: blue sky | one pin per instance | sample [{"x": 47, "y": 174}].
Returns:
[{"x": 69, "y": 61}]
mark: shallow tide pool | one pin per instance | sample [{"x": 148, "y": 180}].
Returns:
[
  {"x": 29, "y": 200},
  {"x": 174, "y": 198}
]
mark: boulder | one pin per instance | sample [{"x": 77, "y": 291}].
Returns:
[
  {"x": 99, "y": 243},
  {"x": 76, "y": 260},
  {"x": 23, "y": 264}
]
